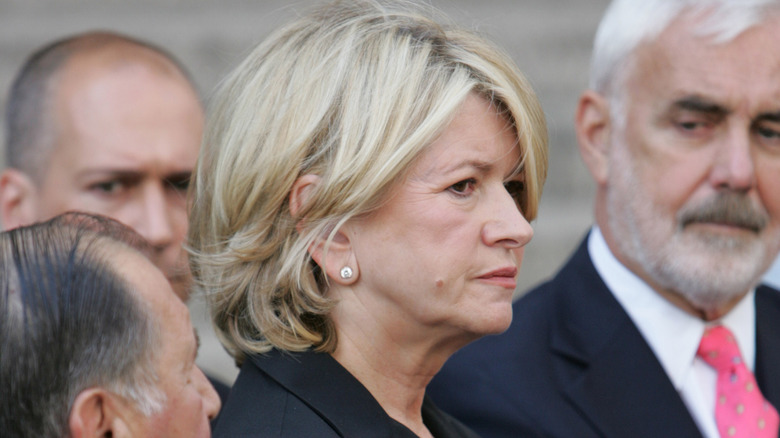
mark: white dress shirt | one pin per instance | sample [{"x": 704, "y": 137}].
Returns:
[{"x": 674, "y": 335}]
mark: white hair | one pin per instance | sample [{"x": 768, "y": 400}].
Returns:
[{"x": 629, "y": 23}]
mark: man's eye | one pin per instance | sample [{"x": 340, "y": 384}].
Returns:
[
  {"x": 108, "y": 187},
  {"x": 768, "y": 133},
  {"x": 691, "y": 126},
  {"x": 179, "y": 182},
  {"x": 696, "y": 125},
  {"x": 463, "y": 188},
  {"x": 180, "y": 185}
]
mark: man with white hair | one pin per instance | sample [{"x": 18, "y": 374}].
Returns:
[{"x": 658, "y": 325}]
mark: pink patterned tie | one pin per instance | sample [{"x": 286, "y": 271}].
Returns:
[{"x": 740, "y": 410}]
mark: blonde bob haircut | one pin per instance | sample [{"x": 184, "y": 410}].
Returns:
[{"x": 352, "y": 93}]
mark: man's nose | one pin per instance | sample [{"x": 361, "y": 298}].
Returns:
[
  {"x": 734, "y": 166},
  {"x": 155, "y": 221}
]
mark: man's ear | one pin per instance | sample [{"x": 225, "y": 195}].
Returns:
[
  {"x": 17, "y": 199},
  {"x": 334, "y": 256},
  {"x": 592, "y": 124},
  {"x": 98, "y": 413}
]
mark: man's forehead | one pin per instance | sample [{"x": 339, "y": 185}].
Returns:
[
  {"x": 103, "y": 137},
  {"x": 721, "y": 73},
  {"x": 93, "y": 59}
]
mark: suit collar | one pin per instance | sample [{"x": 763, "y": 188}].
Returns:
[
  {"x": 330, "y": 390},
  {"x": 341, "y": 400},
  {"x": 768, "y": 343},
  {"x": 605, "y": 367},
  {"x": 676, "y": 341}
]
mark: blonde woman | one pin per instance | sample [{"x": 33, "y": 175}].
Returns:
[{"x": 359, "y": 214}]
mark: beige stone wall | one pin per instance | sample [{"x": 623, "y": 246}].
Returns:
[{"x": 549, "y": 39}]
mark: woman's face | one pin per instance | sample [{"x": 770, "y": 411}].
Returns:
[{"x": 443, "y": 252}]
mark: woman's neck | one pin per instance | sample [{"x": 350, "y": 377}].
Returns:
[
  {"x": 394, "y": 360},
  {"x": 396, "y": 380}
]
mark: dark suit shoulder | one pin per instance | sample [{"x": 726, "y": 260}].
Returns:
[
  {"x": 258, "y": 406},
  {"x": 767, "y": 342},
  {"x": 767, "y": 295},
  {"x": 308, "y": 394}
]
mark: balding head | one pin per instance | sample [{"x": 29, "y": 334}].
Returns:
[
  {"x": 104, "y": 124},
  {"x": 30, "y": 126},
  {"x": 93, "y": 341}
]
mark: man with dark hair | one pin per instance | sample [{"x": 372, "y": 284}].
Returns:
[
  {"x": 107, "y": 124},
  {"x": 93, "y": 341},
  {"x": 104, "y": 123}
]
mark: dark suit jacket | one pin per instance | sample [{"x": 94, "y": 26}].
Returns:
[
  {"x": 310, "y": 395},
  {"x": 573, "y": 364}
]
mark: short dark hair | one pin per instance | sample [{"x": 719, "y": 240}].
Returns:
[
  {"x": 68, "y": 322},
  {"x": 29, "y": 120}
]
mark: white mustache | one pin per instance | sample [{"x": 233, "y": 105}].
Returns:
[{"x": 728, "y": 208}]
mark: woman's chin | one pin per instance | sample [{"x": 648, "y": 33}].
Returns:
[{"x": 493, "y": 320}]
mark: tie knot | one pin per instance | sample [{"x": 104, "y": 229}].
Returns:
[{"x": 719, "y": 348}]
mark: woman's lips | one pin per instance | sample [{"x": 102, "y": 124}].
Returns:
[{"x": 504, "y": 277}]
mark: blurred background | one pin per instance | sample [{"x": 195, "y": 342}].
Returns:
[{"x": 549, "y": 39}]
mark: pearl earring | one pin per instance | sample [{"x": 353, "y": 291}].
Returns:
[{"x": 346, "y": 272}]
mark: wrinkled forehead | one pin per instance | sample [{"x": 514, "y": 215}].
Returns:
[
  {"x": 627, "y": 25},
  {"x": 702, "y": 40}
]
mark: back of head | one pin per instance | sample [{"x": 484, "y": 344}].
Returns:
[
  {"x": 31, "y": 130},
  {"x": 352, "y": 93},
  {"x": 68, "y": 323},
  {"x": 629, "y": 23}
]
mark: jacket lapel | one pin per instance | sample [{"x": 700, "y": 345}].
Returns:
[
  {"x": 605, "y": 368},
  {"x": 332, "y": 392},
  {"x": 768, "y": 343}
]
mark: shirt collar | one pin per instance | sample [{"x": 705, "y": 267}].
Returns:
[{"x": 671, "y": 333}]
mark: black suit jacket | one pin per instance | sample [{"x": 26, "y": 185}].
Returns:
[
  {"x": 310, "y": 395},
  {"x": 573, "y": 364}
]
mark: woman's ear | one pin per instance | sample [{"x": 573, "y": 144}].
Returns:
[
  {"x": 335, "y": 257},
  {"x": 592, "y": 124},
  {"x": 98, "y": 413},
  {"x": 299, "y": 194}
]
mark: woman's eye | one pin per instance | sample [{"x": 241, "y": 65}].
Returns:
[
  {"x": 463, "y": 188},
  {"x": 516, "y": 190}
]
